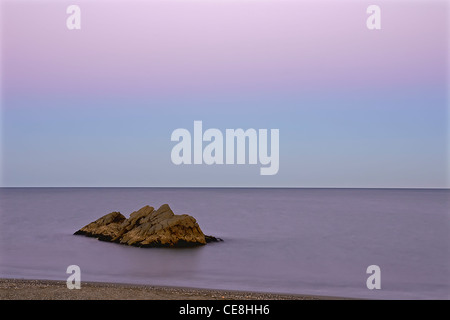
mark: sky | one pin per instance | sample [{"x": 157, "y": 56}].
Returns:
[{"x": 355, "y": 107}]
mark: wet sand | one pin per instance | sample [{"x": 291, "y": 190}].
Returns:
[{"x": 21, "y": 289}]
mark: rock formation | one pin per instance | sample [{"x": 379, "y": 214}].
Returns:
[{"x": 148, "y": 227}]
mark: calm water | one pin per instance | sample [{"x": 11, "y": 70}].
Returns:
[{"x": 311, "y": 241}]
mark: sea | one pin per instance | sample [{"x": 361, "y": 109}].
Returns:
[{"x": 294, "y": 241}]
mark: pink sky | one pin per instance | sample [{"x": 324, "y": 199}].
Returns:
[
  {"x": 96, "y": 106},
  {"x": 161, "y": 46}
]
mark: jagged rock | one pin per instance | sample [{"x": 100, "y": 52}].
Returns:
[
  {"x": 105, "y": 228},
  {"x": 148, "y": 227}
]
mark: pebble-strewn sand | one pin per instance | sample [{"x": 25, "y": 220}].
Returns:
[{"x": 19, "y": 289}]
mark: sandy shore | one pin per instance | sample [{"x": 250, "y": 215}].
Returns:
[{"x": 20, "y": 289}]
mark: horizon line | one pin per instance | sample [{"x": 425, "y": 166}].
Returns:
[{"x": 223, "y": 187}]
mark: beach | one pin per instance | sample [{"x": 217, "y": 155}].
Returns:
[{"x": 25, "y": 289}]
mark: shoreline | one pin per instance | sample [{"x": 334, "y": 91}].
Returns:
[{"x": 28, "y": 289}]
